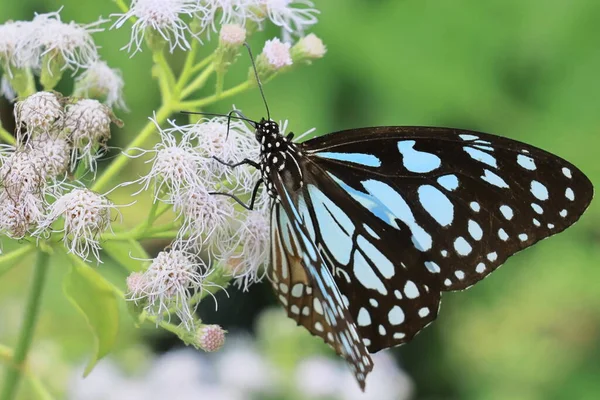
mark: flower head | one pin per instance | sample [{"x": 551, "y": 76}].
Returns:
[
  {"x": 19, "y": 215},
  {"x": 207, "y": 218},
  {"x": 71, "y": 42},
  {"x": 293, "y": 20},
  {"x": 22, "y": 174},
  {"x": 212, "y": 139},
  {"x": 13, "y": 49},
  {"x": 210, "y": 337},
  {"x": 175, "y": 166},
  {"x": 86, "y": 216},
  {"x": 231, "y": 11},
  {"x": 232, "y": 35},
  {"x": 174, "y": 277},
  {"x": 55, "y": 151},
  {"x": 87, "y": 123},
  {"x": 41, "y": 112},
  {"x": 163, "y": 17},
  {"x": 101, "y": 82},
  {"x": 249, "y": 251},
  {"x": 308, "y": 48},
  {"x": 277, "y": 54}
]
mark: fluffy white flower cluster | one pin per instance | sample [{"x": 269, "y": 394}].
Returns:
[
  {"x": 185, "y": 173},
  {"x": 48, "y": 46},
  {"x": 53, "y": 134},
  {"x": 176, "y": 21}
]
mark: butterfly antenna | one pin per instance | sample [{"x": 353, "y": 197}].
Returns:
[
  {"x": 258, "y": 80},
  {"x": 229, "y": 116}
]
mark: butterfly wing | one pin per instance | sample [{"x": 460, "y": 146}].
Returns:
[
  {"x": 305, "y": 287},
  {"x": 403, "y": 213}
]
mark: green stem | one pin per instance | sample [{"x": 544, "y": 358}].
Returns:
[
  {"x": 187, "y": 67},
  {"x": 15, "y": 372},
  {"x": 198, "y": 82},
  {"x": 37, "y": 386},
  {"x": 10, "y": 260},
  {"x": 122, "y": 159},
  {"x": 166, "y": 79},
  {"x": 220, "y": 83},
  {"x": 203, "y": 64},
  {"x": 121, "y": 4},
  {"x": 197, "y": 104}
]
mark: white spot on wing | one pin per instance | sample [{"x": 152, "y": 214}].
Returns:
[
  {"x": 475, "y": 230},
  {"x": 526, "y": 162},
  {"x": 494, "y": 179},
  {"x": 417, "y": 161},
  {"x": 436, "y": 204},
  {"x": 364, "y": 318},
  {"x": 507, "y": 212},
  {"x": 569, "y": 194},
  {"x": 368, "y": 160},
  {"x": 410, "y": 290},
  {"x": 462, "y": 247},
  {"x": 567, "y": 172},
  {"x": 396, "y": 316},
  {"x": 481, "y": 156},
  {"x": 432, "y": 267},
  {"x": 448, "y": 182},
  {"x": 539, "y": 190}
]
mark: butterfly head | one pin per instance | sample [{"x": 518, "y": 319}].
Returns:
[{"x": 265, "y": 129}]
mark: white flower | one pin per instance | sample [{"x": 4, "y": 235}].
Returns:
[
  {"x": 22, "y": 174},
  {"x": 277, "y": 54},
  {"x": 40, "y": 112},
  {"x": 86, "y": 216},
  {"x": 13, "y": 48},
  {"x": 231, "y": 11},
  {"x": 172, "y": 279},
  {"x": 71, "y": 41},
  {"x": 176, "y": 166},
  {"x": 249, "y": 249},
  {"x": 293, "y": 20},
  {"x": 55, "y": 153},
  {"x": 18, "y": 215},
  {"x": 101, "y": 81},
  {"x": 309, "y": 47},
  {"x": 163, "y": 17},
  {"x": 232, "y": 35},
  {"x": 213, "y": 140},
  {"x": 87, "y": 122},
  {"x": 207, "y": 218}
]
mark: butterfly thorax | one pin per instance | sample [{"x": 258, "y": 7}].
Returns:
[{"x": 278, "y": 155}]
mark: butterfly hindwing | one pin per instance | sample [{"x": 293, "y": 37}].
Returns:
[{"x": 296, "y": 259}]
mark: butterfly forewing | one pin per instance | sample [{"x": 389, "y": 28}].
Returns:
[{"x": 466, "y": 200}]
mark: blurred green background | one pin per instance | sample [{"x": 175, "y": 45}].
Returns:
[{"x": 528, "y": 70}]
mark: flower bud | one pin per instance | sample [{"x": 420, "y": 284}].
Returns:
[
  {"x": 210, "y": 338},
  {"x": 274, "y": 58},
  {"x": 307, "y": 49},
  {"x": 40, "y": 112}
]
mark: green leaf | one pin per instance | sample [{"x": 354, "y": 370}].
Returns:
[
  {"x": 125, "y": 253},
  {"x": 94, "y": 297}
]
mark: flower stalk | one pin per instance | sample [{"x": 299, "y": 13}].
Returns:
[{"x": 15, "y": 372}]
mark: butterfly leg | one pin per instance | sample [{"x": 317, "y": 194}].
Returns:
[
  {"x": 248, "y": 207},
  {"x": 245, "y": 161}
]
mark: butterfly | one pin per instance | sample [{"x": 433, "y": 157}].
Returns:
[{"x": 369, "y": 226}]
